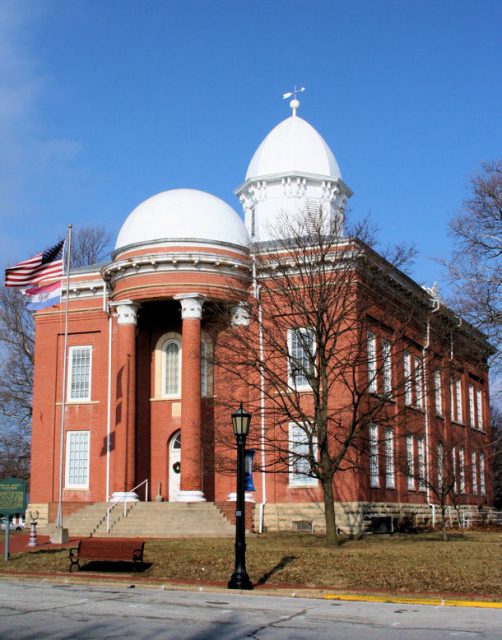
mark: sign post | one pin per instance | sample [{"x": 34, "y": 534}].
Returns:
[{"x": 12, "y": 501}]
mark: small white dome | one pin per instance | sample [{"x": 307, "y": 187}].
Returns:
[
  {"x": 293, "y": 146},
  {"x": 183, "y": 214}
]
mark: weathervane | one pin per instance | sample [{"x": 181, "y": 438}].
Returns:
[{"x": 295, "y": 103}]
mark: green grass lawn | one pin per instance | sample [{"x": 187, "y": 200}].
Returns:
[{"x": 468, "y": 564}]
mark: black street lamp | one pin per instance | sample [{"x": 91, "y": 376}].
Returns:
[{"x": 240, "y": 578}]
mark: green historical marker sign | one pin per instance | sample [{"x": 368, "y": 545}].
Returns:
[{"x": 12, "y": 496}]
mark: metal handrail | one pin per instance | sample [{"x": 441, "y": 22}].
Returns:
[{"x": 109, "y": 509}]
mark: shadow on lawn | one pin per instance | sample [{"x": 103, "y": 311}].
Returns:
[
  {"x": 278, "y": 567},
  {"x": 115, "y": 567}
]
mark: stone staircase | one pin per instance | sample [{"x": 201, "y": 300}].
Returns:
[{"x": 150, "y": 520}]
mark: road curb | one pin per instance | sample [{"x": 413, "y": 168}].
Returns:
[{"x": 433, "y": 602}]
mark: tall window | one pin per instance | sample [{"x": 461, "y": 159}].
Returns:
[
  {"x": 461, "y": 469},
  {"x": 482, "y": 480},
  {"x": 372, "y": 363},
  {"x": 389, "y": 459},
  {"x": 472, "y": 417},
  {"x": 421, "y": 463},
  {"x": 410, "y": 460},
  {"x": 171, "y": 369},
  {"x": 479, "y": 404},
  {"x": 79, "y": 374},
  {"x": 205, "y": 366},
  {"x": 438, "y": 393},
  {"x": 407, "y": 378},
  {"x": 458, "y": 393},
  {"x": 474, "y": 472},
  {"x": 374, "y": 471},
  {"x": 419, "y": 399},
  {"x": 77, "y": 460},
  {"x": 387, "y": 367},
  {"x": 299, "y": 456},
  {"x": 440, "y": 466},
  {"x": 301, "y": 349}
]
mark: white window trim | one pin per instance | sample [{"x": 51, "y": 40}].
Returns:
[
  {"x": 291, "y": 377},
  {"x": 374, "y": 457},
  {"x": 472, "y": 413},
  {"x": 482, "y": 478},
  {"x": 421, "y": 464},
  {"x": 459, "y": 401},
  {"x": 295, "y": 479},
  {"x": 163, "y": 393},
  {"x": 68, "y": 485},
  {"x": 418, "y": 382},
  {"x": 371, "y": 347},
  {"x": 387, "y": 367},
  {"x": 479, "y": 403},
  {"x": 474, "y": 473},
  {"x": 69, "y": 397},
  {"x": 440, "y": 466},
  {"x": 438, "y": 393},
  {"x": 390, "y": 476},
  {"x": 407, "y": 379},
  {"x": 461, "y": 469},
  {"x": 410, "y": 461}
]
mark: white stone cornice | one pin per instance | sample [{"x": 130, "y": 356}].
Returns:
[
  {"x": 191, "y": 305},
  {"x": 127, "y": 312}
]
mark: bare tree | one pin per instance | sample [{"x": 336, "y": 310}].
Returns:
[
  {"x": 475, "y": 267},
  {"x": 91, "y": 245},
  {"x": 318, "y": 300},
  {"x": 17, "y": 354},
  {"x": 497, "y": 456}
]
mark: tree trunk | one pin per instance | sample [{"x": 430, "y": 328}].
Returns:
[
  {"x": 329, "y": 512},
  {"x": 443, "y": 522}
]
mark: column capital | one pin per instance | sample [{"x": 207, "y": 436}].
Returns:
[
  {"x": 240, "y": 315},
  {"x": 127, "y": 312},
  {"x": 191, "y": 304}
]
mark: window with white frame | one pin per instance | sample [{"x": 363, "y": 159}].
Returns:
[
  {"x": 171, "y": 369},
  {"x": 472, "y": 416},
  {"x": 407, "y": 378},
  {"x": 374, "y": 471},
  {"x": 454, "y": 470},
  {"x": 438, "y": 393},
  {"x": 390, "y": 481},
  {"x": 205, "y": 366},
  {"x": 482, "y": 479},
  {"x": 77, "y": 460},
  {"x": 440, "y": 466},
  {"x": 458, "y": 394},
  {"x": 479, "y": 405},
  {"x": 372, "y": 363},
  {"x": 302, "y": 448},
  {"x": 301, "y": 350},
  {"x": 461, "y": 469},
  {"x": 421, "y": 464},
  {"x": 79, "y": 374},
  {"x": 419, "y": 399},
  {"x": 474, "y": 472},
  {"x": 387, "y": 367},
  {"x": 452, "y": 399},
  {"x": 410, "y": 460}
]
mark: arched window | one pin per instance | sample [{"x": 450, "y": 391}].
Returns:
[
  {"x": 171, "y": 361},
  {"x": 167, "y": 359}
]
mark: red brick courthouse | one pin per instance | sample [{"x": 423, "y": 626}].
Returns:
[{"x": 147, "y": 400}]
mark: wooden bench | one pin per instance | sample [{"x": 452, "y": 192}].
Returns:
[{"x": 107, "y": 549}]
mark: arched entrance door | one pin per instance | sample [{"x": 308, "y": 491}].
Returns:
[{"x": 174, "y": 464}]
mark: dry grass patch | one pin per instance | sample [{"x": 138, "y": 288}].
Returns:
[{"x": 469, "y": 564}]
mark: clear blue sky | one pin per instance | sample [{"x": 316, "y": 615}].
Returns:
[{"x": 104, "y": 103}]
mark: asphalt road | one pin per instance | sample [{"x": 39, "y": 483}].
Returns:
[{"x": 45, "y": 610}]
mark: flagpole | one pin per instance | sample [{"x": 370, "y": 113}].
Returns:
[{"x": 59, "y": 522}]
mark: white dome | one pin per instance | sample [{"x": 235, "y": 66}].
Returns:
[
  {"x": 293, "y": 146},
  {"x": 183, "y": 214}
]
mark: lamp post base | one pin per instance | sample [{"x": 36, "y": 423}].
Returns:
[{"x": 240, "y": 581}]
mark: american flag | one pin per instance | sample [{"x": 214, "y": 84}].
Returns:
[{"x": 47, "y": 265}]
